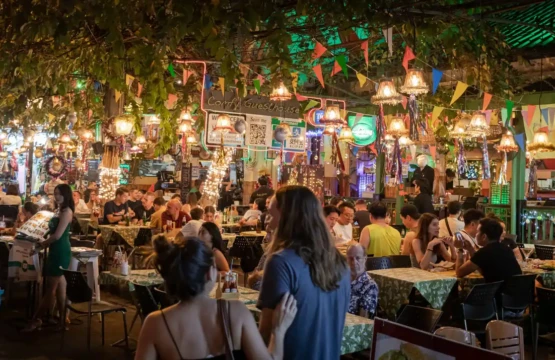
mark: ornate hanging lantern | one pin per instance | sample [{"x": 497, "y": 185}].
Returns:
[
  {"x": 414, "y": 83},
  {"x": 191, "y": 139},
  {"x": 478, "y": 125},
  {"x": 386, "y": 94},
  {"x": 541, "y": 143},
  {"x": 346, "y": 134},
  {"x": 135, "y": 149},
  {"x": 280, "y": 93},
  {"x": 507, "y": 143},
  {"x": 87, "y": 135},
  {"x": 123, "y": 125},
  {"x": 140, "y": 140},
  {"x": 184, "y": 127},
  {"x": 332, "y": 116},
  {"x": 397, "y": 127},
  {"x": 329, "y": 130},
  {"x": 65, "y": 139},
  {"x": 223, "y": 124},
  {"x": 185, "y": 115},
  {"x": 405, "y": 141}
]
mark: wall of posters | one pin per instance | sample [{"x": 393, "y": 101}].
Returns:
[{"x": 232, "y": 139}]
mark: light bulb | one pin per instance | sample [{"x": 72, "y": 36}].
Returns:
[
  {"x": 387, "y": 91},
  {"x": 414, "y": 80}
]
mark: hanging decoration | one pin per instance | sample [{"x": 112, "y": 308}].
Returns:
[
  {"x": 109, "y": 173},
  {"x": 386, "y": 94},
  {"x": 280, "y": 93},
  {"x": 540, "y": 143},
  {"x": 220, "y": 163},
  {"x": 414, "y": 85},
  {"x": 395, "y": 131},
  {"x": 123, "y": 125},
  {"x": 478, "y": 126},
  {"x": 507, "y": 144},
  {"x": 346, "y": 134},
  {"x": 533, "y": 180},
  {"x": 56, "y": 166},
  {"x": 486, "y": 173}
]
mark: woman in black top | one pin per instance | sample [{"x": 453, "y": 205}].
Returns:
[{"x": 423, "y": 199}]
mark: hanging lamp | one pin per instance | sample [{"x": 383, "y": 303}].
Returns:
[
  {"x": 332, "y": 116},
  {"x": 223, "y": 123},
  {"x": 346, "y": 134},
  {"x": 478, "y": 125},
  {"x": 123, "y": 124},
  {"x": 280, "y": 93},
  {"x": 414, "y": 83},
  {"x": 541, "y": 143},
  {"x": 397, "y": 127},
  {"x": 386, "y": 94}
]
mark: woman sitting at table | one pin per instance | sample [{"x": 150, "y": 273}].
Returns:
[
  {"x": 428, "y": 248},
  {"x": 210, "y": 234},
  {"x": 199, "y": 327},
  {"x": 27, "y": 211}
]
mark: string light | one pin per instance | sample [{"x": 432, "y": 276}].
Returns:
[
  {"x": 216, "y": 173},
  {"x": 109, "y": 182}
]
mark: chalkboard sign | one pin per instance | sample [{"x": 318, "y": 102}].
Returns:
[{"x": 92, "y": 172}]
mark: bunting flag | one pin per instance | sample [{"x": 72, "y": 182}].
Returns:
[
  {"x": 311, "y": 104},
  {"x": 300, "y": 97},
  {"x": 552, "y": 116},
  {"x": 318, "y": 71},
  {"x": 509, "y": 105},
  {"x": 51, "y": 117},
  {"x": 117, "y": 95},
  {"x": 530, "y": 115},
  {"x": 519, "y": 139},
  {"x": 364, "y": 47},
  {"x": 433, "y": 149},
  {"x": 373, "y": 148},
  {"x": 404, "y": 102},
  {"x": 487, "y": 99},
  {"x": 256, "y": 84},
  {"x": 504, "y": 116},
  {"x": 221, "y": 83},
  {"x": 488, "y": 116},
  {"x": 207, "y": 81},
  {"x": 294, "y": 81},
  {"x": 319, "y": 50},
  {"x": 172, "y": 98},
  {"x": 129, "y": 80},
  {"x": 171, "y": 70},
  {"x": 436, "y": 112},
  {"x": 409, "y": 55},
  {"x": 342, "y": 61},
  {"x": 358, "y": 116},
  {"x": 545, "y": 115},
  {"x": 388, "y": 35},
  {"x": 336, "y": 68},
  {"x": 139, "y": 89},
  {"x": 436, "y": 78},
  {"x": 525, "y": 116},
  {"x": 459, "y": 90},
  {"x": 186, "y": 74},
  {"x": 261, "y": 79},
  {"x": 361, "y": 79}
]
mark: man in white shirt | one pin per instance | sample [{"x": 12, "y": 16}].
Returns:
[
  {"x": 193, "y": 226},
  {"x": 252, "y": 215},
  {"x": 344, "y": 227},
  {"x": 472, "y": 219},
  {"x": 80, "y": 205},
  {"x": 451, "y": 224}
]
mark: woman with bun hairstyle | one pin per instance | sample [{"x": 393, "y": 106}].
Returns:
[{"x": 199, "y": 327}]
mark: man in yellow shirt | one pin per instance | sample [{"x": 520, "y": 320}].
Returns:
[{"x": 380, "y": 239}]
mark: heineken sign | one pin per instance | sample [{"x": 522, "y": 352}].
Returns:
[{"x": 364, "y": 130}]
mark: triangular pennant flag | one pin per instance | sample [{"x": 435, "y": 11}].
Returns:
[
  {"x": 433, "y": 151},
  {"x": 51, "y": 117},
  {"x": 207, "y": 81},
  {"x": 172, "y": 98},
  {"x": 129, "y": 80},
  {"x": 300, "y": 97},
  {"x": 336, "y": 68},
  {"x": 545, "y": 115},
  {"x": 525, "y": 116},
  {"x": 256, "y": 84},
  {"x": 509, "y": 105},
  {"x": 487, "y": 99},
  {"x": 373, "y": 148},
  {"x": 318, "y": 71},
  {"x": 436, "y": 78},
  {"x": 139, "y": 89},
  {"x": 388, "y": 35},
  {"x": 409, "y": 55},
  {"x": 358, "y": 116},
  {"x": 294, "y": 81},
  {"x": 186, "y": 74},
  {"x": 459, "y": 90},
  {"x": 117, "y": 95},
  {"x": 364, "y": 47},
  {"x": 261, "y": 79},
  {"x": 404, "y": 102},
  {"x": 221, "y": 83},
  {"x": 342, "y": 61},
  {"x": 171, "y": 70},
  {"x": 504, "y": 116},
  {"x": 519, "y": 139},
  {"x": 436, "y": 112},
  {"x": 488, "y": 116},
  {"x": 319, "y": 50},
  {"x": 552, "y": 116},
  {"x": 310, "y": 105},
  {"x": 361, "y": 79},
  {"x": 530, "y": 116}
]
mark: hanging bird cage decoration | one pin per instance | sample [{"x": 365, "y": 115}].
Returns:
[
  {"x": 397, "y": 127},
  {"x": 507, "y": 143},
  {"x": 223, "y": 124},
  {"x": 386, "y": 94},
  {"x": 478, "y": 125},
  {"x": 123, "y": 125},
  {"x": 346, "y": 134},
  {"x": 541, "y": 143},
  {"x": 280, "y": 93},
  {"x": 414, "y": 83}
]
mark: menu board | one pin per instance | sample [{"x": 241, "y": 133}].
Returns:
[
  {"x": 37, "y": 226},
  {"x": 232, "y": 138}
]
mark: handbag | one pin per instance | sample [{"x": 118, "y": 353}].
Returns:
[{"x": 223, "y": 310}]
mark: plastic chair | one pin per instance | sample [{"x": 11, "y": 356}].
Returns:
[
  {"x": 79, "y": 300},
  {"x": 479, "y": 304},
  {"x": 458, "y": 335},
  {"x": 249, "y": 250},
  {"x": 378, "y": 263},
  {"x": 505, "y": 338},
  {"x": 400, "y": 261},
  {"x": 518, "y": 294},
  {"x": 545, "y": 312},
  {"x": 544, "y": 252},
  {"x": 420, "y": 318}
]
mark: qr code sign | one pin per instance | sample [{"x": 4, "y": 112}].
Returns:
[{"x": 257, "y": 134}]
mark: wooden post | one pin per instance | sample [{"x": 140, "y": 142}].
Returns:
[{"x": 380, "y": 174}]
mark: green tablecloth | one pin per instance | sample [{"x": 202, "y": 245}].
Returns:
[
  {"x": 395, "y": 286},
  {"x": 128, "y": 233}
]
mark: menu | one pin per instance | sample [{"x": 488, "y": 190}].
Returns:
[{"x": 37, "y": 226}]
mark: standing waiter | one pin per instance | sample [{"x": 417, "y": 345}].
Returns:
[{"x": 262, "y": 192}]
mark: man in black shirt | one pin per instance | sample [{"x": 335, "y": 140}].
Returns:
[
  {"x": 449, "y": 178},
  {"x": 362, "y": 215},
  {"x": 146, "y": 209},
  {"x": 115, "y": 210},
  {"x": 424, "y": 172},
  {"x": 262, "y": 192},
  {"x": 135, "y": 196},
  {"x": 423, "y": 199},
  {"x": 495, "y": 261}
]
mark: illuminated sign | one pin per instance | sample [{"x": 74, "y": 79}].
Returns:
[{"x": 364, "y": 131}]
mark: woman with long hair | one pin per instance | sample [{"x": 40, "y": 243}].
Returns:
[
  {"x": 199, "y": 327},
  {"x": 210, "y": 234},
  {"x": 59, "y": 256},
  {"x": 302, "y": 260},
  {"x": 428, "y": 247}
]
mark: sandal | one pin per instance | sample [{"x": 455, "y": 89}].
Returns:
[{"x": 34, "y": 325}]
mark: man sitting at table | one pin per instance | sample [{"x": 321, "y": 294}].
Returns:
[
  {"x": 495, "y": 261},
  {"x": 364, "y": 291},
  {"x": 380, "y": 239},
  {"x": 80, "y": 205},
  {"x": 252, "y": 215},
  {"x": 159, "y": 205},
  {"x": 344, "y": 227},
  {"x": 135, "y": 197},
  {"x": 472, "y": 219},
  {"x": 451, "y": 224},
  {"x": 115, "y": 210},
  {"x": 409, "y": 217},
  {"x": 193, "y": 226},
  {"x": 143, "y": 213},
  {"x": 174, "y": 214}
]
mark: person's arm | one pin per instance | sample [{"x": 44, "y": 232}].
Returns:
[
  {"x": 221, "y": 262},
  {"x": 463, "y": 268},
  {"x": 65, "y": 220},
  {"x": 364, "y": 240},
  {"x": 146, "y": 348},
  {"x": 111, "y": 215},
  {"x": 424, "y": 258},
  {"x": 447, "y": 242},
  {"x": 407, "y": 243}
]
